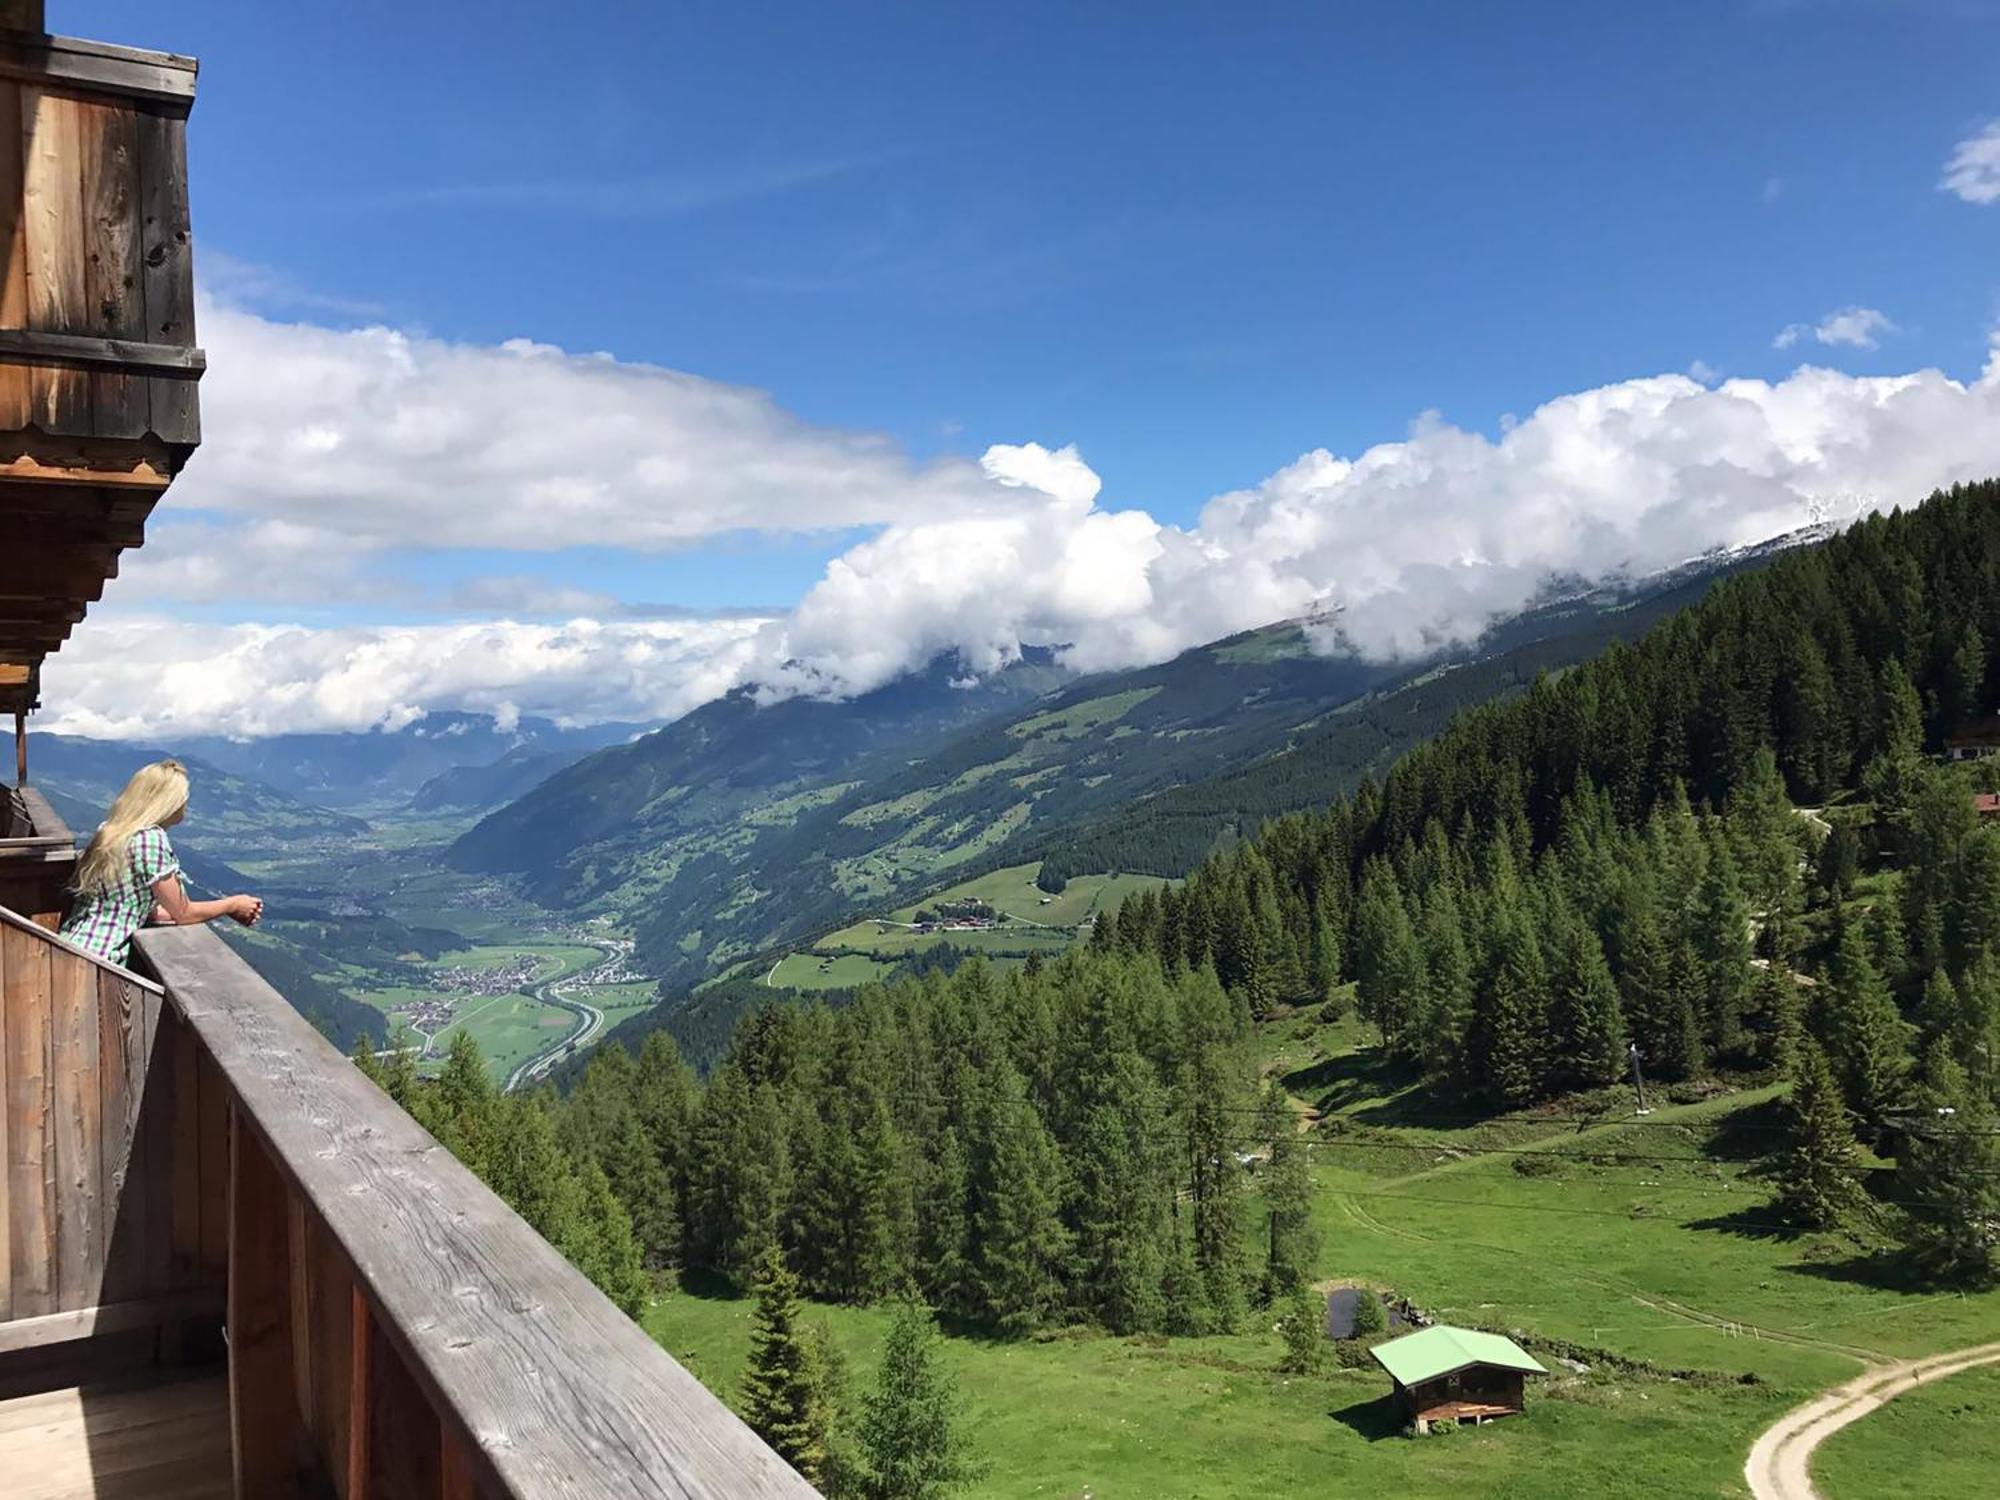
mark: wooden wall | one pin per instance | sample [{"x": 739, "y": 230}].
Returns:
[
  {"x": 113, "y": 1131},
  {"x": 97, "y": 291}
]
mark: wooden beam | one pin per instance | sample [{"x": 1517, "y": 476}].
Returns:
[
  {"x": 116, "y": 1317},
  {"x": 99, "y": 68},
  {"x": 264, "y": 1426},
  {"x": 31, "y": 1188},
  {"x": 129, "y": 356},
  {"x": 141, "y": 475},
  {"x": 571, "y": 1398}
]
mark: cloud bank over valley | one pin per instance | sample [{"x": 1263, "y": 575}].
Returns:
[{"x": 340, "y": 465}]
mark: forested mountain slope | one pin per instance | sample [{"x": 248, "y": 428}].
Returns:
[
  {"x": 1724, "y": 844},
  {"x": 1172, "y": 832},
  {"x": 740, "y": 827}
]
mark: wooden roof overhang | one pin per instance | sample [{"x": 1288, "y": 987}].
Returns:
[{"x": 98, "y": 363}]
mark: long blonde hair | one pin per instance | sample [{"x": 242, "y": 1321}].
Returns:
[{"x": 156, "y": 794}]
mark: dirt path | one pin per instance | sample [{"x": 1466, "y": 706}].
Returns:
[{"x": 1781, "y": 1459}]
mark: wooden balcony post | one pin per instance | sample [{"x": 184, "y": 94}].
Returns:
[{"x": 264, "y": 1424}]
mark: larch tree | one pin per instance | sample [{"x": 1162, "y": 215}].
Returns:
[
  {"x": 784, "y": 1389},
  {"x": 1817, "y": 1171},
  {"x": 913, "y": 1439}
]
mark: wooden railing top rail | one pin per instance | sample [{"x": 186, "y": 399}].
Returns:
[
  {"x": 12, "y": 918},
  {"x": 559, "y": 1392}
]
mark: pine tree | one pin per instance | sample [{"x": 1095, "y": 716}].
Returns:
[
  {"x": 1018, "y": 1242},
  {"x": 1292, "y": 1239},
  {"x": 1865, "y": 1038},
  {"x": 614, "y": 1261},
  {"x": 1720, "y": 929},
  {"x": 912, "y": 1435},
  {"x": 1948, "y": 1180},
  {"x": 784, "y": 1389},
  {"x": 1510, "y": 1028},
  {"x": 1586, "y": 1025},
  {"x": 1215, "y": 1187},
  {"x": 1818, "y": 1185}
]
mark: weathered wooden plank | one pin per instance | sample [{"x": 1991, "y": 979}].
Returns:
[
  {"x": 455, "y": 1481},
  {"x": 264, "y": 1423},
  {"x": 353, "y": 1483},
  {"x": 78, "y": 1149},
  {"x": 108, "y": 151},
  {"x": 557, "y": 1391},
  {"x": 216, "y": 1124},
  {"x": 52, "y": 224},
  {"x": 127, "y": 353},
  {"x": 404, "y": 1449},
  {"x": 160, "y": 1150},
  {"x": 100, "y": 68},
  {"x": 167, "y": 246},
  {"x": 24, "y": 1001},
  {"x": 121, "y": 1070},
  {"x": 116, "y": 1317},
  {"x": 184, "y": 1235},
  {"x": 16, "y": 384}
]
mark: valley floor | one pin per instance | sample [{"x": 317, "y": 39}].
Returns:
[{"x": 1637, "y": 1243}]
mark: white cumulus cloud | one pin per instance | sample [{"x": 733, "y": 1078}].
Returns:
[
  {"x": 1855, "y": 327},
  {"x": 328, "y": 449},
  {"x": 1973, "y": 171},
  {"x": 140, "y": 676}
]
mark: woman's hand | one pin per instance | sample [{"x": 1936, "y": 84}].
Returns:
[{"x": 246, "y": 909}]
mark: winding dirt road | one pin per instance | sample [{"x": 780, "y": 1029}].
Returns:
[{"x": 1780, "y": 1460}]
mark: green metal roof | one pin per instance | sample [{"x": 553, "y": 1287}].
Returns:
[{"x": 1431, "y": 1352}]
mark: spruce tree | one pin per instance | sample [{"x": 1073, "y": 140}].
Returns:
[
  {"x": 784, "y": 1389},
  {"x": 1018, "y": 1243},
  {"x": 1818, "y": 1185},
  {"x": 913, "y": 1440},
  {"x": 1865, "y": 1038},
  {"x": 1948, "y": 1180},
  {"x": 1511, "y": 1026},
  {"x": 1586, "y": 1026},
  {"x": 1292, "y": 1236}
]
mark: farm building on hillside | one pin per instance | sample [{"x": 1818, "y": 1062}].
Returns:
[
  {"x": 1974, "y": 740},
  {"x": 1456, "y": 1373}
]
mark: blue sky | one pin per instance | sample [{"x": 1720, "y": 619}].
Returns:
[{"x": 1195, "y": 241}]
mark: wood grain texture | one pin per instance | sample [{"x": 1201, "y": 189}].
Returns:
[
  {"x": 123, "y": 1030},
  {"x": 353, "y": 1480},
  {"x": 6, "y": 1153},
  {"x": 100, "y": 68},
  {"x": 556, "y": 1392},
  {"x": 24, "y": 1004},
  {"x": 114, "y": 299},
  {"x": 264, "y": 1428},
  {"x": 16, "y": 385},
  {"x": 167, "y": 254},
  {"x": 78, "y": 1156},
  {"x": 52, "y": 224}
]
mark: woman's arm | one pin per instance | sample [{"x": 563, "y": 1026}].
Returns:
[{"x": 170, "y": 901}]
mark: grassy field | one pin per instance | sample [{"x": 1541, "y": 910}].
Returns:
[
  {"x": 1638, "y": 1242},
  {"x": 818, "y": 971},
  {"x": 866, "y": 950},
  {"x": 510, "y": 1029},
  {"x": 1939, "y": 1440}
]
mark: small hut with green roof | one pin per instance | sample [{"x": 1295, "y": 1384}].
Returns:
[{"x": 1456, "y": 1373}]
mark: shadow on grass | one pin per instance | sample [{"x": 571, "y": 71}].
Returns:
[
  {"x": 1758, "y": 1223},
  {"x": 1373, "y": 1420},
  {"x": 708, "y": 1286}
]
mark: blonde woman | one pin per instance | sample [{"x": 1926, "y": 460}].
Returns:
[{"x": 129, "y": 873}]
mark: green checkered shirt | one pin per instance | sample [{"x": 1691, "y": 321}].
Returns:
[{"x": 105, "y": 920}]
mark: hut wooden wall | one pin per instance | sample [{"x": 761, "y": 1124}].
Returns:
[{"x": 113, "y": 1131}]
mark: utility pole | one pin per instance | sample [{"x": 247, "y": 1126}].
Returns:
[{"x": 1638, "y": 1081}]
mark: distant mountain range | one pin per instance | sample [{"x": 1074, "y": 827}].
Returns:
[
  {"x": 392, "y": 767},
  {"x": 739, "y": 828}
]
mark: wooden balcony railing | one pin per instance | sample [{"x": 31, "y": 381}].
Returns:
[
  {"x": 37, "y": 856},
  {"x": 393, "y": 1328}
]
